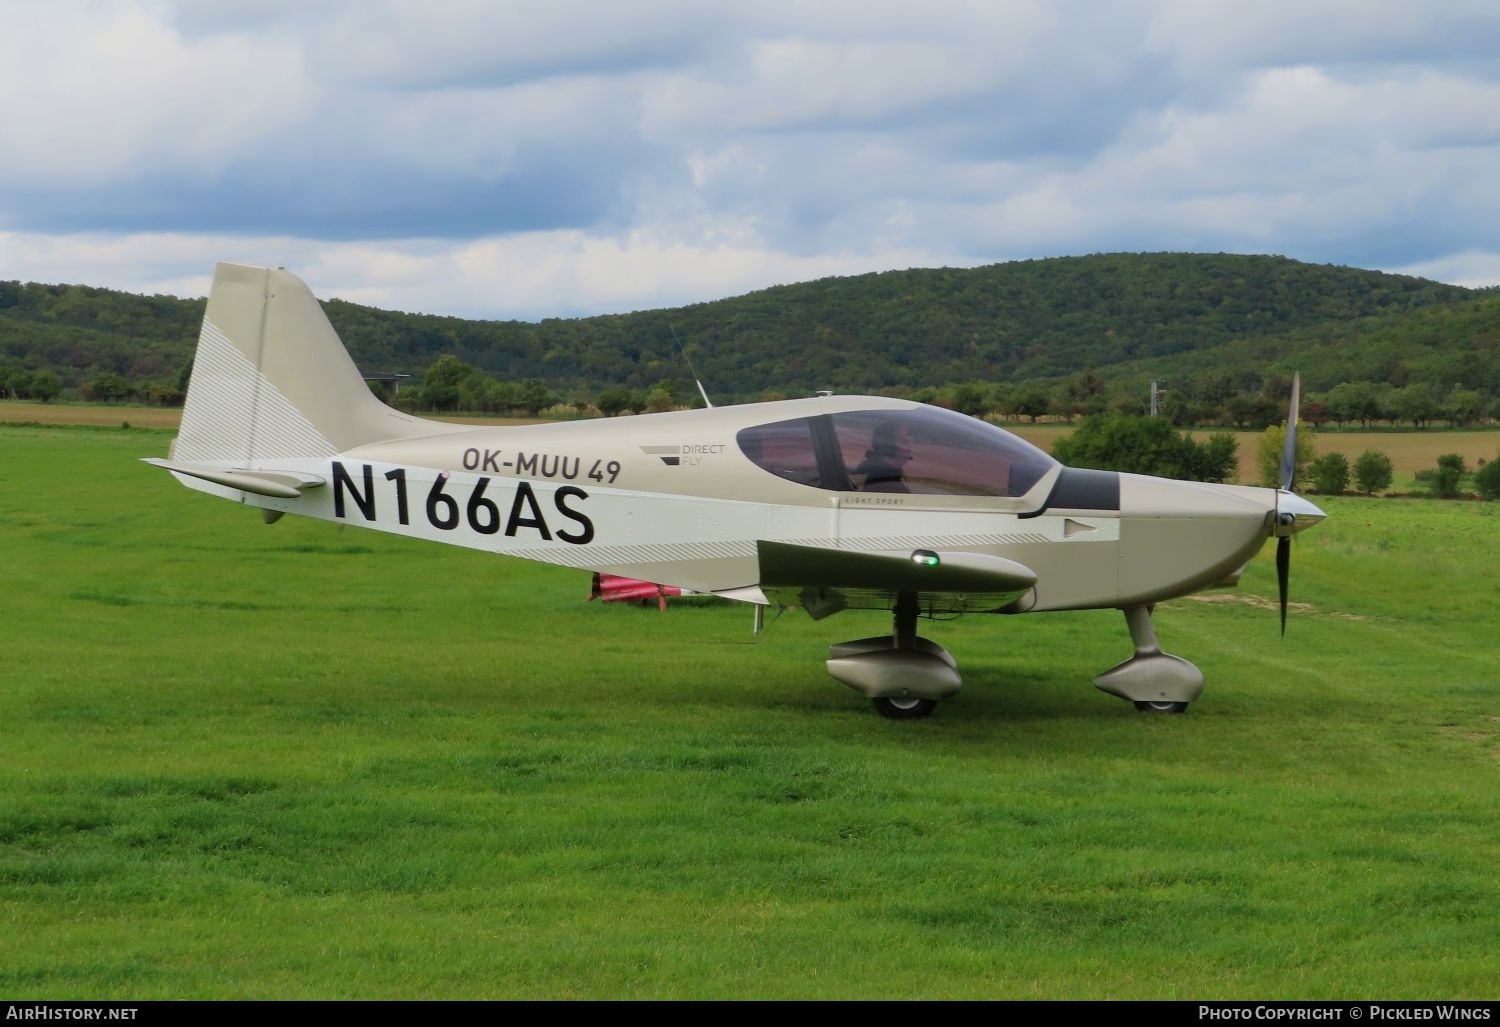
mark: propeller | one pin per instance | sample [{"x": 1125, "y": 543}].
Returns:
[
  {"x": 1290, "y": 507},
  {"x": 1283, "y": 571},
  {"x": 1289, "y": 451},
  {"x": 1288, "y": 475}
]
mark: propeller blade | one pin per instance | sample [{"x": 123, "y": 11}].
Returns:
[
  {"x": 1283, "y": 571},
  {"x": 1289, "y": 451}
]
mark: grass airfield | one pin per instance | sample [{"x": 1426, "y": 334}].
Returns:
[{"x": 289, "y": 761}]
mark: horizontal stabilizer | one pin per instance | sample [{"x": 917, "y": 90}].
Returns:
[
  {"x": 277, "y": 484},
  {"x": 744, "y": 594}
]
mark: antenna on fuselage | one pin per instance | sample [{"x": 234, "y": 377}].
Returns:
[{"x": 691, "y": 369}]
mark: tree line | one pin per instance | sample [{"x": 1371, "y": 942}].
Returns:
[{"x": 450, "y": 385}]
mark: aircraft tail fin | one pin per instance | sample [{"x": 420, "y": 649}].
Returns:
[{"x": 272, "y": 382}]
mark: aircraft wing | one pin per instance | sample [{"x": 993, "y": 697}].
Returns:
[{"x": 824, "y": 581}]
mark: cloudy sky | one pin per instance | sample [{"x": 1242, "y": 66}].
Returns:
[{"x": 529, "y": 159}]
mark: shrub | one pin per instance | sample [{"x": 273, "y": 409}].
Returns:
[
  {"x": 613, "y": 402},
  {"x": 1330, "y": 473},
  {"x": 1268, "y": 449},
  {"x": 1217, "y": 459},
  {"x": 1487, "y": 479},
  {"x": 1145, "y": 445},
  {"x": 1373, "y": 472},
  {"x": 108, "y": 388},
  {"x": 1448, "y": 478}
]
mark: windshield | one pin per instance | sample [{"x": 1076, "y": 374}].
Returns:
[{"x": 922, "y": 451}]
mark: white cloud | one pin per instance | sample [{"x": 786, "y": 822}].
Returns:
[
  {"x": 1207, "y": 38},
  {"x": 797, "y": 83},
  {"x": 424, "y": 45},
  {"x": 526, "y": 276},
  {"x": 514, "y": 158},
  {"x": 97, "y": 98},
  {"x": 1476, "y": 269}
]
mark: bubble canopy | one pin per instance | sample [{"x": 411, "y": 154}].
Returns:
[{"x": 919, "y": 451}]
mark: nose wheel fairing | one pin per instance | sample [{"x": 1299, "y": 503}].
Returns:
[{"x": 1151, "y": 679}]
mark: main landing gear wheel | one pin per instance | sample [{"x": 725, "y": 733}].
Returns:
[
  {"x": 904, "y": 709},
  {"x": 1162, "y": 707}
]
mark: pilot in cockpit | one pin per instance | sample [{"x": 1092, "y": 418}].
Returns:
[{"x": 888, "y": 455}]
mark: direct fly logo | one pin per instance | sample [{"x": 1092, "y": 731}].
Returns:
[
  {"x": 669, "y": 455},
  {"x": 686, "y": 453}
]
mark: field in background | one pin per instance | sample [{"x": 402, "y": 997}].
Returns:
[
  {"x": 20, "y": 412},
  {"x": 1410, "y": 451},
  {"x": 294, "y": 761}
]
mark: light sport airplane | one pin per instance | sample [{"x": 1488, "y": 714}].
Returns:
[{"x": 830, "y": 503}]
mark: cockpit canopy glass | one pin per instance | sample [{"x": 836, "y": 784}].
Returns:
[{"x": 922, "y": 451}]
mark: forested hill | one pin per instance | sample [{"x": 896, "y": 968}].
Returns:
[{"x": 1114, "y": 314}]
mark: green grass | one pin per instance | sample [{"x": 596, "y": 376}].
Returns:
[{"x": 241, "y": 761}]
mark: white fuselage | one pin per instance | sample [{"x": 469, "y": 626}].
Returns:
[{"x": 671, "y": 498}]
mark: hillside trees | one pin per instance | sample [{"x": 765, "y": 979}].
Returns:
[
  {"x": 1417, "y": 403},
  {"x": 108, "y": 388},
  {"x": 969, "y": 398},
  {"x": 532, "y": 397},
  {"x": 453, "y": 386},
  {"x": 45, "y": 386},
  {"x": 1465, "y": 407},
  {"x": 15, "y": 383},
  {"x": 1066, "y": 336},
  {"x": 1030, "y": 401},
  {"x": 1353, "y": 401},
  {"x": 1251, "y": 411},
  {"x": 480, "y": 393},
  {"x": 1082, "y": 393}
]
